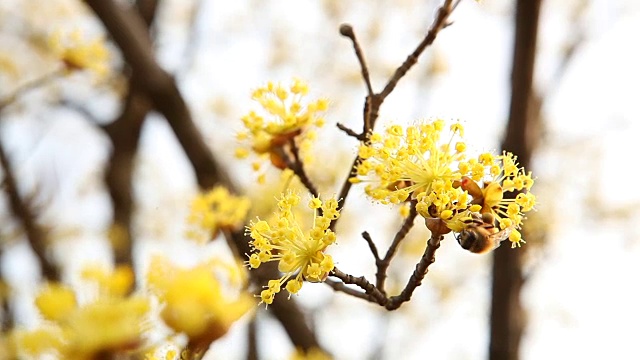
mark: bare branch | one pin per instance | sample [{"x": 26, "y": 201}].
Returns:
[
  {"x": 374, "y": 101},
  {"x": 23, "y": 211},
  {"x": 383, "y": 264},
  {"x": 372, "y": 246},
  {"x": 347, "y": 31},
  {"x": 128, "y": 31}
]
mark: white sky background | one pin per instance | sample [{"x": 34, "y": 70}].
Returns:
[{"x": 581, "y": 296}]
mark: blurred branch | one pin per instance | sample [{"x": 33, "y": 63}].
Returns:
[
  {"x": 507, "y": 316},
  {"x": 373, "y": 101},
  {"x": 24, "y": 212},
  {"x": 252, "y": 340},
  {"x": 6, "y": 315},
  {"x": 128, "y": 31},
  {"x": 124, "y": 133}
]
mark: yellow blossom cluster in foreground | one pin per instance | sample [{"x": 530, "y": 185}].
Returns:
[
  {"x": 300, "y": 253},
  {"x": 215, "y": 210},
  {"x": 196, "y": 302},
  {"x": 284, "y": 118},
  {"x": 200, "y": 302},
  {"x": 108, "y": 324},
  {"x": 429, "y": 162}
]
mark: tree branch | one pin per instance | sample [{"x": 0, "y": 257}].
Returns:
[
  {"x": 507, "y": 317},
  {"x": 22, "y": 210},
  {"x": 128, "y": 31}
]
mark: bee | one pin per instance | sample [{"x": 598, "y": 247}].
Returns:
[{"x": 481, "y": 234}]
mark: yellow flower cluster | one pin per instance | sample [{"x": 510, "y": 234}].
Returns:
[
  {"x": 107, "y": 325},
  {"x": 420, "y": 163},
  {"x": 399, "y": 163},
  {"x": 499, "y": 175},
  {"x": 78, "y": 54},
  {"x": 284, "y": 117},
  {"x": 300, "y": 254},
  {"x": 196, "y": 302},
  {"x": 216, "y": 210}
]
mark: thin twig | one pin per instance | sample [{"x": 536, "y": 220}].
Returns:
[
  {"x": 347, "y": 31},
  {"x": 374, "y": 294},
  {"x": 298, "y": 168},
  {"x": 428, "y": 258},
  {"x": 350, "y": 132},
  {"x": 383, "y": 264},
  {"x": 30, "y": 85},
  {"x": 441, "y": 18},
  {"x": 372, "y": 246},
  {"x": 340, "y": 286},
  {"x": 22, "y": 210},
  {"x": 374, "y": 101}
]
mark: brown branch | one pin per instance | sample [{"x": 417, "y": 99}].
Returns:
[
  {"x": 374, "y": 294},
  {"x": 22, "y": 210},
  {"x": 372, "y": 246},
  {"x": 347, "y": 31},
  {"x": 350, "y": 132},
  {"x": 298, "y": 168},
  {"x": 374, "y": 101},
  {"x": 428, "y": 258},
  {"x": 383, "y": 264},
  {"x": 507, "y": 315},
  {"x": 128, "y": 32},
  {"x": 342, "y": 287},
  {"x": 252, "y": 340},
  {"x": 124, "y": 133}
]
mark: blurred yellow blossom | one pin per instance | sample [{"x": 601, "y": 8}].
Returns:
[
  {"x": 78, "y": 53},
  {"x": 311, "y": 354},
  {"x": 107, "y": 325},
  {"x": 195, "y": 301},
  {"x": 117, "y": 282},
  {"x": 300, "y": 254},
  {"x": 215, "y": 210},
  {"x": 55, "y": 302},
  {"x": 284, "y": 118}
]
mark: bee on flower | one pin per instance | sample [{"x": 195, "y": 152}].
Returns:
[
  {"x": 499, "y": 175},
  {"x": 449, "y": 186},
  {"x": 285, "y": 121},
  {"x": 300, "y": 253}
]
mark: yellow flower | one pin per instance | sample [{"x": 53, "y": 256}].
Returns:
[
  {"x": 117, "y": 282},
  {"x": 195, "y": 301},
  {"x": 312, "y": 354},
  {"x": 79, "y": 54},
  {"x": 399, "y": 164},
  {"x": 300, "y": 254},
  {"x": 499, "y": 175},
  {"x": 284, "y": 117},
  {"x": 106, "y": 325},
  {"x": 215, "y": 210},
  {"x": 37, "y": 343},
  {"x": 56, "y": 302}
]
